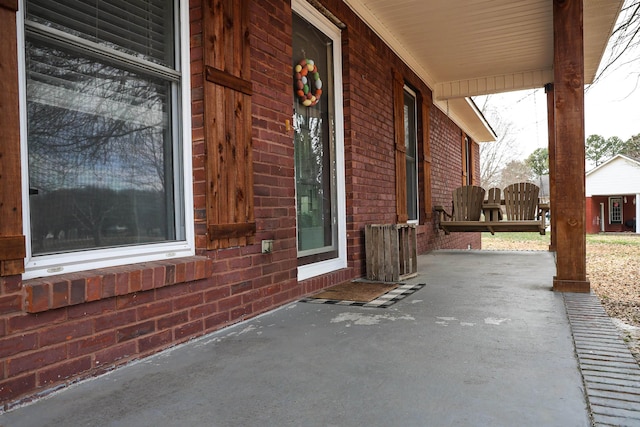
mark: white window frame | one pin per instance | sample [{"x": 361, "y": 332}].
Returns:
[
  {"x": 323, "y": 24},
  {"x": 48, "y": 265}
]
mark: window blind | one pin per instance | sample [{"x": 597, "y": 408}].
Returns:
[{"x": 142, "y": 28}]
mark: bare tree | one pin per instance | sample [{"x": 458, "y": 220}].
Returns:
[
  {"x": 494, "y": 156},
  {"x": 624, "y": 38},
  {"x": 515, "y": 171},
  {"x": 100, "y": 147}
]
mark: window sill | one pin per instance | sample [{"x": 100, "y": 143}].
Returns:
[{"x": 49, "y": 293}]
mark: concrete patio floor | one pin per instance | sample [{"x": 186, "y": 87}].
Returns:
[{"x": 485, "y": 343}]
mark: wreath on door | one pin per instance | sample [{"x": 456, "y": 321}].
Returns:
[{"x": 307, "y": 83}]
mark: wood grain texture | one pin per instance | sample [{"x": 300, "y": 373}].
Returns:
[
  {"x": 12, "y": 249},
  {"x": 425, "y": 158},
  {"x": 569, "y": 201},
  {"x": 391, "y": 251},
  {"x": 228, "y": 124}
]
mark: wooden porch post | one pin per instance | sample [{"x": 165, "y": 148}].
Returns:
[
  {"x": 551, "y": 126},
  {"x": 12, "y": 242},
  {"x": 570, "y": 222}
]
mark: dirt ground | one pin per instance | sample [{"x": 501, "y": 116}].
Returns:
[{"x": 613, "y": 268}]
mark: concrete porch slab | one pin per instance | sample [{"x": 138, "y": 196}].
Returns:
[{"x": 484, "y": 342}]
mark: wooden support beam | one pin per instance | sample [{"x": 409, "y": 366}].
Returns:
[{"x": 569, "y": 203}]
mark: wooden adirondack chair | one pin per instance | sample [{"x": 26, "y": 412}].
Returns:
[
  {"x": 466, "y": 211},
  {"x": 521, "y": 201},
  {"x": 467, "y": 203}
]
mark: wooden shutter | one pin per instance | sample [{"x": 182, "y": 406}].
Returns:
[
  {"x": 400, "y": 149},
  {"x": 425, "y": 155},
  {"x": 12, "y": 242},
  {"x": 471, "y": 161},
  {"x": 227, "y": 117},
  {"x": 468, "y": 160}
]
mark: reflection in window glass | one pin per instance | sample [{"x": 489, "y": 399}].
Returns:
[{"x": 100, "y": 140}]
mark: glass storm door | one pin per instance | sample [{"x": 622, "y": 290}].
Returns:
[{"x": 315, "y": 148}]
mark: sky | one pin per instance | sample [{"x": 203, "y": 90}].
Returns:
[{"x": 612, "y": 107}]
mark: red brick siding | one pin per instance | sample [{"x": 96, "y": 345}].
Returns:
[
  {"x": 272, "y": 104},
  {"x": 592, "y": 215},
  {"x": 198, "y": 146}
]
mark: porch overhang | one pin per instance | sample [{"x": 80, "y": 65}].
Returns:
[{"x": 462, "y": 49}]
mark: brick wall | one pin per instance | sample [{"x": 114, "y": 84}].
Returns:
[{"x": 60, "y": 329}]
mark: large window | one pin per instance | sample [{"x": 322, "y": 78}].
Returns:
[
  {"x": 105, "y": 158},
  {"x": 317, "y": 123}
]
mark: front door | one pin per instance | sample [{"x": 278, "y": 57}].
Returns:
[{"x": 318, "y": 146}]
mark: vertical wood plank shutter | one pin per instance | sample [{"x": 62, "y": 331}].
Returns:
[
  {"x": 425, "y": 155},
  {"x": 12, "y": 241},
  {"x": 400, "y": 149},
  {"x": 227, "y": 124},
  {"x": 471, "y": 161}
]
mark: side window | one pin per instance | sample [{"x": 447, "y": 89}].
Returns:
[
  {"x": 103, "y": 101},
  {"x": 412, "y": 152}
]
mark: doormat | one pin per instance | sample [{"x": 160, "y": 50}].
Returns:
[
  {"x": 387, "y": 298},
  {"x": 356, "y": 291}
]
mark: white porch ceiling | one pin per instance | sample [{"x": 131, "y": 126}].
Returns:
[{"x": 463, "y": 48}]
